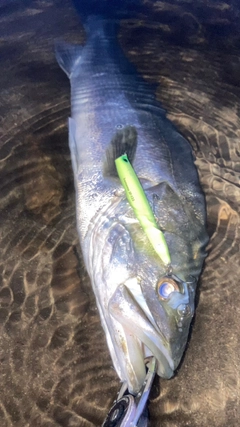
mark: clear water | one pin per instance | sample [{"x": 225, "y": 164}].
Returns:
[{"x": 55, "y": 369}]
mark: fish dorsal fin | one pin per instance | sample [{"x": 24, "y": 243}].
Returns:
[
  {"x": 67, "y": 55},
  {"x": 124, "y": 141}
]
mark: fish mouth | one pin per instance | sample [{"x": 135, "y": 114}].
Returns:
[{"x": 138, "y": 338}]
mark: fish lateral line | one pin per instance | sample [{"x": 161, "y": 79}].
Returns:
[{"x": 142, "y": 209}]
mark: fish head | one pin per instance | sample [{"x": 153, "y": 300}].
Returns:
[
  {"x": 155, "y": 312},
  {"x": 155, "y": 305}
]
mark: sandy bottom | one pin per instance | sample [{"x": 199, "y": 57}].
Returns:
[{"x": 55, "y": 369}]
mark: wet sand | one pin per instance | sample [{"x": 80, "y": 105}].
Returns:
[{"x": 55, "y": 369}]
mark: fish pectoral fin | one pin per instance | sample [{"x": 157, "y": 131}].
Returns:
[
  {"x": 72, "y": 144},
  {"x": 176, "y": 210},
  {"x": 124, "y": 141},
  {"x": 67, "y": 55}
]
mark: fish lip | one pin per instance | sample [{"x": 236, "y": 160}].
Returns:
[
  {"x": 165, "y": 364},
  {"x": 125, "y": 308},
  {"x": 133, "y": 284}
]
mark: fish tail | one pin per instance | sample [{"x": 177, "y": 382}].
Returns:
[
  {"x": 101, "y": 8},
  {"x": 107, "y": 9},
  {"x": 67, "y": 56},
  {"x": 100, "y": 19},
  {"x": 95, "y": 13}
]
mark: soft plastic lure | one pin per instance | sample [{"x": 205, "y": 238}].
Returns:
[{"x": 139, "y": 202}]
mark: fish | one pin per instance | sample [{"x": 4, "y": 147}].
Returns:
[{"x": 145, "y": 307}]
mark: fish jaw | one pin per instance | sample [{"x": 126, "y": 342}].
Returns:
[{"x": 137, "y": 335}]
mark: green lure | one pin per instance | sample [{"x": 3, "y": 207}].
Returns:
[{"x": 139, "y": 202}]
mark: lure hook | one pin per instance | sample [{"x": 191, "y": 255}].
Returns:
[{"x": 129, "y": 410}]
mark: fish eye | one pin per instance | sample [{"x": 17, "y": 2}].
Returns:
[{"x": 165, "y": 287}]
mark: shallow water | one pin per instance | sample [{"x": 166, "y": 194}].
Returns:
[{"x": 55, "y": 369}]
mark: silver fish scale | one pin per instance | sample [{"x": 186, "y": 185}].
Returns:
[{"x": 108, "y": 97}]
